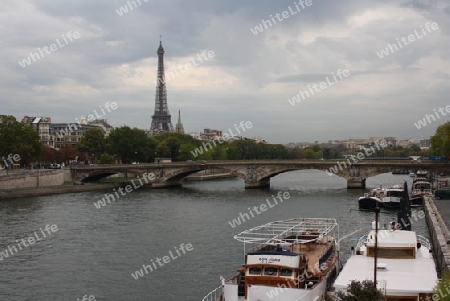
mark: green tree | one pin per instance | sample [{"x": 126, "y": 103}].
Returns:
[
  {"x": 219, "y": 153},
  {"x": 440, "y": 141},
  {"x": 295, "y": 153},
  {"x": 250, "y": 150},
  {"x": 106, "y": 159},
  {"x": 173, "y": 143},
  {"x": 311, "y": 153},
  {"x": 183, "y": 138},
  {"x": 185, "y": 151},
  {"x": 414, "y": 150},
  {"x": 18, "y": 138},
  {"x": 92, "y": 142},
  {"x": 163, "y": 150},
  {"x": 131, "y": 144},
  {"x": 233, "y": 152},
  {"x": 361, "y": 291}
]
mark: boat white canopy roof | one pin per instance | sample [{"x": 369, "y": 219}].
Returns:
[
  {"x": 391, "y": 238},
  {"x": 274, "y": 233},
  {"x": 399, "y": 277}
]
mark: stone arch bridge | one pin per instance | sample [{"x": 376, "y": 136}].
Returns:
[{"x": 255, "y": 173}]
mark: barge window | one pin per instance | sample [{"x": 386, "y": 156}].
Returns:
[
  {"x": 254, "y": 271},
  {"x": 286, "y": 272},
  {"x": 269, "y": 271}
]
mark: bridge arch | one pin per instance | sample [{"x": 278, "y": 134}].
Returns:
[{"x": 256, "y": 173}]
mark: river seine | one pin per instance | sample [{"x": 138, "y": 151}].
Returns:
[{"x": 183, "y": 236}]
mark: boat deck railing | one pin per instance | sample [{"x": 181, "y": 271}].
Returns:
[
  {"x": 422, "y": 191},
  {"x": 424, "y": 241},
  {"x": 215, "y": 295},
  {"x": 420, "y": 239},
  {"x": 277, "y": 233},
  {"x": 361, "y": 242}
]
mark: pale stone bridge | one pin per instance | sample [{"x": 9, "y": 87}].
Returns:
[{"x": 255, "y": 173}]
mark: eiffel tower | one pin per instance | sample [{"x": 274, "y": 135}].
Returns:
[{"x": 161, "y": 120}]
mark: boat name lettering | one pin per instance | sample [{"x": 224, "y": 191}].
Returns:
[{"x": 269, "y": 260}]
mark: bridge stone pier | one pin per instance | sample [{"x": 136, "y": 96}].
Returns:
[{"x": 255, "y": 173}]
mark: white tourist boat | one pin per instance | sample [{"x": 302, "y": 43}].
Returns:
[
  {"x": 289, "y": 260},
  {"x": 405, "y": 268}
]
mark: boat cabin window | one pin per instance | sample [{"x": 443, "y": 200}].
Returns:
[
  {"x": 285, "y": 272},
  {"x": 395, "y": 193},
  {"x": 255, "y": 271},
  {"x": 406, "y": 253},
  {"x": 270, "y": 271}
]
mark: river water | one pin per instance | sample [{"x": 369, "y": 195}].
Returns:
[{"x": 94, "y": 252}]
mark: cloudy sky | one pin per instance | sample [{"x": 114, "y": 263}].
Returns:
[{"x": 111, "y": 57}]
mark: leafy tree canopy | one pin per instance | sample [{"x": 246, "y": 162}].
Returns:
[
  {"x": 18, "y": 138},
  {"x": 106, "y": 159},
  {"x": 131, "y": 144},
  {"x": 361, "y": 291},
  {"x": 440, "y": 141},
  {"x": 92, "y": 142},
  {"x": 443, "y": 286}
]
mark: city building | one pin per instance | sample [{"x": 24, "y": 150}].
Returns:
[
  {"x": 102, "y": 124},
  {"x": 209, "y": 134},
  {"x": 299, "y": 145},
  {"x": 61, "y": 135},
  {"x": 425, "y": 144},
  {"x": 408, "y": 142},
  {"x": 42, "y": 126},
  {"x": 333, "y": 144},
  {"x": 69, "y": 135}
]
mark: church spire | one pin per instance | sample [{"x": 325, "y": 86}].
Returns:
[{"x": 179, "y": 126}]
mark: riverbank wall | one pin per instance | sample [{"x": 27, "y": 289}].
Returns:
[
  {"x": 39, "y": 191},
  {"x": 439, "y": 235},
  {"x": 47, "y": 182},
  {"x": 18, "y": 179}
]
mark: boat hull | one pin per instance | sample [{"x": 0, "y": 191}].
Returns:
[
  {"x": 277, "y": 293},
  {"x": 367, "y": 203},
  {"x": 442, "y": 194},
  {"x": 416, "y": 201},
  {"x": 391, "y": 205},
  {"x": 297, "y": 261}
]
